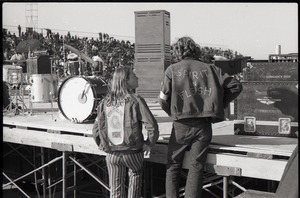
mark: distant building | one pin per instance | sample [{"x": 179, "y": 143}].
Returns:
[{"x": 291, "y": 57}]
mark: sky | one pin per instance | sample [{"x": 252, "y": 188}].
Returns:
[{"x": 252, "y": 29}]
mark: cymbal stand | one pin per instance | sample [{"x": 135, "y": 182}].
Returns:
[
  {"x": 11, "y": 108},
  {"x": 18, "y": 97},
  {"x": 51, "y": 100},
  {"x": 20, "y": 94},
  {"x": 56, "y": 68},
  {"x": 52, "y": 94},
  {"x": 30, "y": 103},
  {"x": 79, "y": 67}
]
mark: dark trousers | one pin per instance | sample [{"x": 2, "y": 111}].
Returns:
[{"x": 189, "y": 134}]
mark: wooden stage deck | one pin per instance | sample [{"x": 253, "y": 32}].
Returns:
[{"x": 230, "y": 155}]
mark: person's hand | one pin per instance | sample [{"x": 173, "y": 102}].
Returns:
[{"x": 146, "y": 150}]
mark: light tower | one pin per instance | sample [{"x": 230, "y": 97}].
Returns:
[{"x": 31, "y": 15}]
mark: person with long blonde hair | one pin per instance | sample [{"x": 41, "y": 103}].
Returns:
[{"x": 118, "y": 131}]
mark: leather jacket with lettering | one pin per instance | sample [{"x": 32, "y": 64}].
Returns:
[
  {"x": 192, "y": 89},
  {"x": 136, "y": 114}
]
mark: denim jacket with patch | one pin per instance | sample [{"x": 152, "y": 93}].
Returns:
[{"x": 137, "y": 114}]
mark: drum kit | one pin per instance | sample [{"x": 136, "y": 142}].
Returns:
[
  {"x": 79, "y": 89},
  {"x": 73, "y": 89},
  {"x": 76, "y": 90}
]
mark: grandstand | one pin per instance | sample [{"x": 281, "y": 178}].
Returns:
[{"x": 114, "y": 52}]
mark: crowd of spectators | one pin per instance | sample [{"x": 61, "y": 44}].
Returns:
[{"x": 113, "y": 52}]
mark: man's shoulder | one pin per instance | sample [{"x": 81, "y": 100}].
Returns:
[{"x": 173, "y": 66}]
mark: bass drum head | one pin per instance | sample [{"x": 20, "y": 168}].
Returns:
[{"x": 79, "y": 96}]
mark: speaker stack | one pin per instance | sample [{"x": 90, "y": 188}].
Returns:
[{"x": 39, "y": 65}]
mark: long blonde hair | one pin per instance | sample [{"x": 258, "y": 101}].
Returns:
[{"x": 119, "y": 91}]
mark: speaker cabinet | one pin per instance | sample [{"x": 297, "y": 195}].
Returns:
[
  {"x": 152, "y": 50},
  {"x": 39, "y": 65}
]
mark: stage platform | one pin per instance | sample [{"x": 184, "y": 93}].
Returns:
[{"x": 233, "y": 155}]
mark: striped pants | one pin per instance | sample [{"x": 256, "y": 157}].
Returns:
[{"x": 117, "y": 164}]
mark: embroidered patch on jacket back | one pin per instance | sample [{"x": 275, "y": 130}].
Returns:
[{"x": 115, "y": 121}]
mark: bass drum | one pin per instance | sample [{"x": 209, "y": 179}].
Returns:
[{"x": 78, "y": 98}]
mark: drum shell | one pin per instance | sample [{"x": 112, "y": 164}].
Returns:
[
  {"x": 74, "y": 67},
  {"x": 42, "y": 86},
  {"x": 68, "y": 97},
  {"x": 12, "y": 74}
]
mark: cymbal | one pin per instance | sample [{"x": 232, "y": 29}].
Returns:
[{"x": 15, "y": 61}]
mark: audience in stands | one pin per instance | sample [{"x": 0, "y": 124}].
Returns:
[{"x": 113, "y": 52}]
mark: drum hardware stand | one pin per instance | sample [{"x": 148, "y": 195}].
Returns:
[
  {"x": 31, "y": 104},
  {"x": 10, "y": 108},
  {"x": 51, "y": 100},
  {"x": 18, "y": 97},
  {"x": 50, "y": 93},
  {"x": 79, "y": 67}
]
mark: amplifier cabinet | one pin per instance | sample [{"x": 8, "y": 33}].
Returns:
[
  {"x": 267, "y": 108},
  {"x": 233, "y": 66},
  {"x": 39, "y": 65},
  {"x": 271, "y": 71}
]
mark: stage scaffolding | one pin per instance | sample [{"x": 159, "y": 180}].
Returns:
[
  {"x": 53, "y": 169},
  {"x": 57, "y": 157}
]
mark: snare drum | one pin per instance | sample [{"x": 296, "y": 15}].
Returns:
[
  {"x": 12, "y": 74},
  {"x": 42, "y": 86},
  {"x": 78, "y": 97}
]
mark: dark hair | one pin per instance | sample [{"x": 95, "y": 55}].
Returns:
[{"x": 186, "y": 47}]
